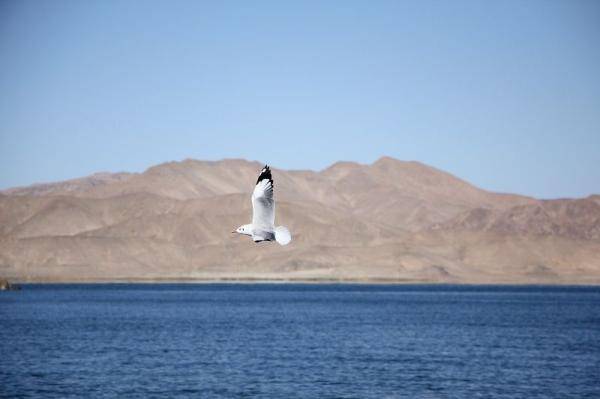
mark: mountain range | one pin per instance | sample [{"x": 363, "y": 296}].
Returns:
[{"x": 390, "y": 221}]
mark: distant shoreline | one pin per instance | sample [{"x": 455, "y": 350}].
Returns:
[{"x": 307, "y": 281}]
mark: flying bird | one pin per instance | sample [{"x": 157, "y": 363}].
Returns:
[{"x": 263, "y": 227}]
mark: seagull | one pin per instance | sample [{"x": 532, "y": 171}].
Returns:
[{"x": 263, "y": 227}]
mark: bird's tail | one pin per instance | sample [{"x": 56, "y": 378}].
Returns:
[{"x": 282, "y": 235}]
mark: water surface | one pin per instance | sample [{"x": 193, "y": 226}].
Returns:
[{"x": 300, "y": 341}]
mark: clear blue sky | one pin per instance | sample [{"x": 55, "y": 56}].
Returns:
[{"x": 504, "y": 94}]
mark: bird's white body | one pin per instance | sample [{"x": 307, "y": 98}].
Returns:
[{"x": 263, "y": 227}]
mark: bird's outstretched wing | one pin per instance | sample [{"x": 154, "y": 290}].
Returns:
[{"x": 263, "y": 205}]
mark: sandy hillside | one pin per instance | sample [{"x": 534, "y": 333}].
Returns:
[{"x": 388, "y": 221}]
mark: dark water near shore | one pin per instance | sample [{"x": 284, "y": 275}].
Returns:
[{"x": 300, "y": 341}]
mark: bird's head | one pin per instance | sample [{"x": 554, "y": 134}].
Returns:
[{"x": 244, "y": 229}]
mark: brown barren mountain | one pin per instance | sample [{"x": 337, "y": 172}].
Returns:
[{"x": 389, "y": 221}]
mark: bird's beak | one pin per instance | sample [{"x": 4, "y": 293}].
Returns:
[{"x": 233, "y": 232}]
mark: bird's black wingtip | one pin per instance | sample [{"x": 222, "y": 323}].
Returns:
[{"x": 265, "y": 173}]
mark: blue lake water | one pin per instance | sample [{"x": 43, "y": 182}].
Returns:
[{"x": 300, "y": 341}]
